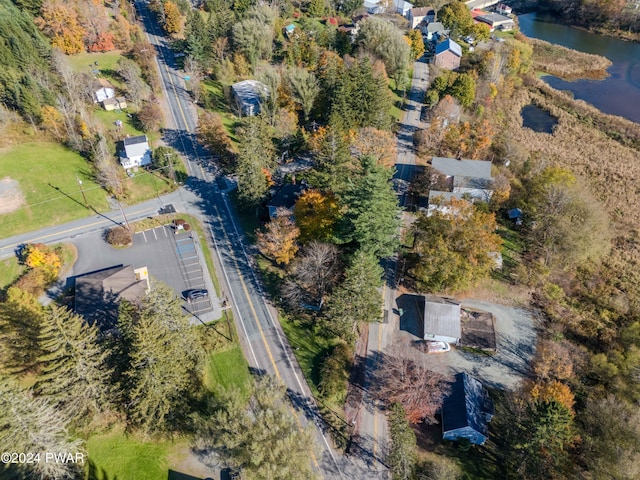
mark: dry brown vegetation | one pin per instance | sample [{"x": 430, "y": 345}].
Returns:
[
  {"x": 609, "y": 167},
  {"x": 567, "y": 63}
]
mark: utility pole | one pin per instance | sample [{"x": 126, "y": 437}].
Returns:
[
  {"x": 86, "y": 204},
  {"x": 172, "y": 173},
  {"x": 126, "y": 222}
]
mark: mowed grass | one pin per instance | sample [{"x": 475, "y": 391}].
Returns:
[
  {"x": 116, "y": 455},
  {"x": 85, "y": 62},
  {"x": 227, "y": 369},
  {"x": 10, "y": 270},
  {"x": 48, "y": 175}
]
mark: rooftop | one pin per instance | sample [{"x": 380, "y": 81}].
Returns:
[
  {"x": 250, "y": 91},
  {"x": 422, "y": 11},
  {"x": 442, "y": 317},
  {"x": 492, "y": 18},
  {"x": 449, "y": 45},
  {"x": 136, "y": 146},
  {"x": 287, "y": 196},
  {"x": 467, "y": 405},
  {"x": 464, "y": 168}
]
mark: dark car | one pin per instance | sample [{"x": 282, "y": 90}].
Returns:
[{"x": 196, "y": 294}]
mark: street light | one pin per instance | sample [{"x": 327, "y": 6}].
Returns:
[{"x": 86, "y": 204}]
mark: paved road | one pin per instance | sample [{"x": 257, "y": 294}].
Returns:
[{"x": 371, "y": 427}]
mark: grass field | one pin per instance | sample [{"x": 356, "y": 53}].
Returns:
[
  {"x": 10, "y": 270},
  {"x": 227, "y": 369},
  {"x": 119, "y": 456},
  {"x": 85, "y": 62},
  {"x": 219, "y": 106},
  {"x": 48, "y": 177}
]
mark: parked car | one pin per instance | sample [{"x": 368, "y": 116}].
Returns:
[
  {"x": 196, "y": 294},
  {"x": 438, "y": 347}
]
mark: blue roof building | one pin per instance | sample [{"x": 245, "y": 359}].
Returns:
[{"x": 466, "y": 411}]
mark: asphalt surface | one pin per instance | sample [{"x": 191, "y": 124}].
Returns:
[{"x": 371, "y": 425}]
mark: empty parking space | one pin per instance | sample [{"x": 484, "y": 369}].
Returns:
[{"x": 173, "y": 259}]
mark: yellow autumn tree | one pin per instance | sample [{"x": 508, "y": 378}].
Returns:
[
  {"x": 172, "y": 18},
  {"x": 316, "y": 215},
  {"x": 553, "y": 390},
  {"x": 379, "y": 144},
  {"x": 39, "y": 256},
  {"x": 59, "y": 21},
  {"x": 278, "y": 240}
]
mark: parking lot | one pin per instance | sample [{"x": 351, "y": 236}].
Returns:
[{"x": 176, "y": 260}]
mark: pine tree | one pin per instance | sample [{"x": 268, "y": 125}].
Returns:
[
  {"x": 20, "y": 323},
  {"x": 357, "y": 299},
  {"x": 255, "y": 161},
  {"x": 31, "y": 424},
  {"x": 402, "y": 453},
  {"x": 74, "y": 372},
  {"x": 163, "y": 353},
  {"x": 372, "y": 218},
  {"x": 259, "y": 435}
]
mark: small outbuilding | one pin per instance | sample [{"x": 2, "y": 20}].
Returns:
[
  {"x": 466, "y": 411},
  {"x": 248, "y": 96},
  {"x": 135, "y": 152},
  {"x": 102, "y": 90},
  {"x": 115, "y": 103},
  {"x": 441, "y": 320},
  {"x": 448, "y": 55}
]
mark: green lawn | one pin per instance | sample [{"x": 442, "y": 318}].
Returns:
[
  {"x": 108, "y": 120},
  {"x": 48, "y": 176},
  {"x": 85, "y": 62},
  {"x": 219, "y": 105},
  {"x": 10, "y": 270},
  {"x": 119, "y": 456},
  {"x": 227, "y": 369}
]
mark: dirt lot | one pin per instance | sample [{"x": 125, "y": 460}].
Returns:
[
  {"x": 515, "y": 343},
  {"x": 11, "y": 197}
]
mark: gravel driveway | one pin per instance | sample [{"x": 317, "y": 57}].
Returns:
[{"x": 515, "y": 338}]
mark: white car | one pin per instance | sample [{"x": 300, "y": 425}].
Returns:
[{"x": 438, "y": 347}]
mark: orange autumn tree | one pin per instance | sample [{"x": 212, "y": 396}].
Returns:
[
  {"x": 278, "y": 240},
  {"x": 553, "y": 390},
  {"x": 59, "y": 21},
  {"x": 379, "y": 144},
  {"x": 316, "y": 215}
]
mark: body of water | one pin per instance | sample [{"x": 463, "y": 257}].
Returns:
[
  {"x": 618, "y": 94},
  {"x": 537, "y": 119}
]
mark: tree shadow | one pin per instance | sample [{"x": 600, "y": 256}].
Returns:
[
  {"x": 95, "y": 473},
  {"x": 173, "y": 475},
  {"x": 412, "y": 318}
]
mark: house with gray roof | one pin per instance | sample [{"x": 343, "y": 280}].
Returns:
[
  {"x": 421, "y": 15},
  {"x": 441, "y": 320},
  {"x": 135, "y": 152},
  {"x": 448, "y": 55},
  {"x": 97, "y": 294},
  {"x": 466, "y": 411},
  {"x": 247, "y": 97},
  {"x": 468, "y": 179},
  {"x": 434, "y": 31},
  {"x": 495, "y": 20}
]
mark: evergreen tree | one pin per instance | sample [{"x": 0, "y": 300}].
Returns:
[
  {"x": 31, "y": 424},
  {"x": 255, "y": 161},
  {"x": 164, "y": 354},
  {"x": 332, "y": 160},
  {"x": 357, "y": 299},
  {"x": 74, "y": 372},
  {"x": 259, "y": 435},
  {"x": 197, "y": 36},
  {"x": 372, "y": 217},
  {"x": 402, "y": 453},
  {"x": 20, "y": 323}
]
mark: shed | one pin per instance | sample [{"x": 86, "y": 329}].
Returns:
[
  {"x": 115, "y": 103},
  {"x": 448, "y": 55},
  {"x": 441, "y": 319},
  {"x": 136, "y": 152},
  {"x": 289, "y": 29},
  {"x": 248, "y": 96},
  {"x": 466, "y": 411}
]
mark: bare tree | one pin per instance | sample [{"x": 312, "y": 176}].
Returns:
[
  {"x": 315, "y": 272},
  {"x": 419, "y": 390},
  {"x": 195, "y": 73}
]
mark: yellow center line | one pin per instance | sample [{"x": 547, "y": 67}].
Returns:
[{"x": 262, "y": 335}]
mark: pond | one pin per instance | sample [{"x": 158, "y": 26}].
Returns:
[
  {"x": 537, "y": 119},
  {"x": 619, "y": 93}
]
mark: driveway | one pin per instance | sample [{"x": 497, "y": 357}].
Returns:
[{"x": 515, "y": 339}]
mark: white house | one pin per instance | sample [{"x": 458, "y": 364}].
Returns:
[
  {"x": 421, "y": 15},
  {"x": 441, "y": 320},
  {"x": 102, "y": 90},
  {"x": 373, "y": 7},
  {"x": 136, "y": 152},
  {"x": 470, "y": 179},
  {"x": 504, "y": 9},
  {"x": 248, "y": 96},
  {"x": 402, "y": 7}
]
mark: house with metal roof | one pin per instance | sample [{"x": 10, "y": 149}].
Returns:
[
  {"x": 102, "y": 89},
  {"x": 441, "y": 320},
  {"x": 402, "y": 7},
  {"x": 248, "y": 96},
  {"x": 466, "y": 411},
  {"x": 495, "y": 20},
  {"x": 135, "y": 152},
  {"x": 448, "y": 55}
]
